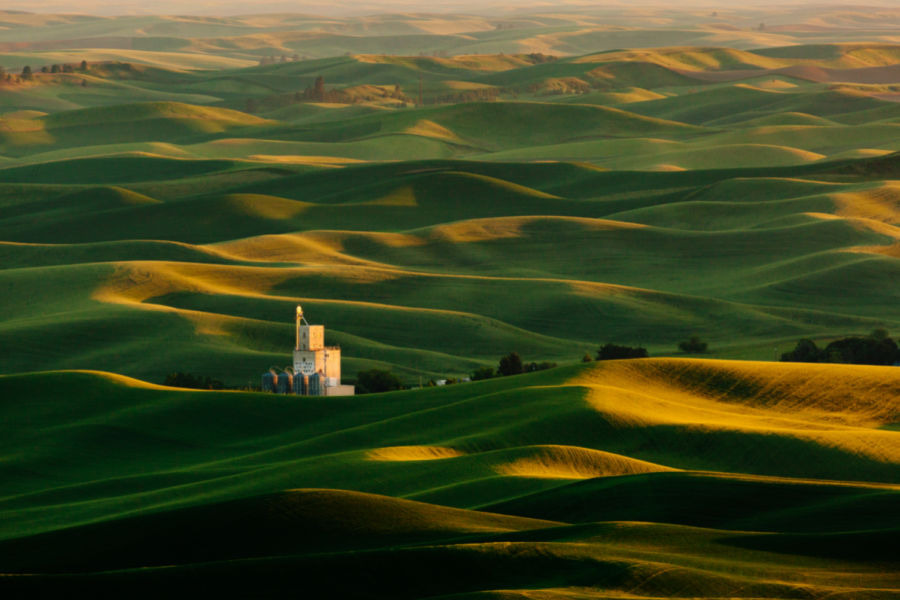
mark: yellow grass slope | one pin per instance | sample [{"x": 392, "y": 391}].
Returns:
[
  {"x": 846, "y": 407},
  {"x": 409, "y": 453},
  {"x": 545, "y": 461},
  {"x": 369, "y": 512},
  {"x": 568, "y": 462},
  {"x": 479, "y": 230},
  {"x": 327, "y": 247},
  {"x": 879, "y": 203},
  {"x": 470, "y": 62},
  {"x": 859, "y": 395},
  {"x": 154, "y": 110},
  {"x": 690, "y": 58}
]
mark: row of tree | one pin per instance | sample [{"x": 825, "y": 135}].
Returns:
[
  {"x": 64, "y": 68},
  {"x": 191, "y": 381},
  {"x": 28, "y": 72},
  {"x": 875, "y": 349},
  {"x": 375, "y": 381},
  {"x": 511, "y": 364},
  {"x": 692, "y": 345}
]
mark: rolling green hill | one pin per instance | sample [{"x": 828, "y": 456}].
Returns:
[
  {"x": 484, "y": 256},
  {"x": 453, "y": 188},
  {"x": 463, "y": 480}
]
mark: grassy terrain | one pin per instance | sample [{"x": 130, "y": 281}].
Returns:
[
  {"x": 484, "y": 257},
  {"x": 167, "y": 206},
  {"x": 795, "y": 465}
]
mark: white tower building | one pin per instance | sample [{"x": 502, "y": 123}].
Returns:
[{"x": 312, "y": 356}]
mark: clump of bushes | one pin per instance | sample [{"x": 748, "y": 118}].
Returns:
[
  {"x": 616, "y": 352},
  {"x": 511, "y": 364},
  {"x": 482, "y": 373},
  {"x": 194, "y": 382},
  {"x": 374, "y": 381},
  {"x": 541, "y": 366},
  {"x": 875, "y": 349}
]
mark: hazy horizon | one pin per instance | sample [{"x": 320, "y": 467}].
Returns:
[{"x": 233, "y": 7}]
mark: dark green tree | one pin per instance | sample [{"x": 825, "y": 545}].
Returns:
[
  {"x": 319, "y": 89},
  {"x": 541, "y": 366},
  {"x": 187, "y": 380},
  {"x": 26, "y": 73},
  {"x": 511, "y": 364},
  {"x": 870, "y": 350},
  {"x": 482, "y": 373},
  {"x": 615, "y": 352},
  {"x": 83, "y": 65},
  {"x": 862, "y": 351},
  {"x": 374, "y": 381},
  {"x": 805, "y": 351}
]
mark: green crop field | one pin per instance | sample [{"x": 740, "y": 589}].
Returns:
[
  {"x": 439, "y": 191},
  {"x": 650, "y": 478}
]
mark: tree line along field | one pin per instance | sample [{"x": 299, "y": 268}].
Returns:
[{"x": 165, "y": 204}]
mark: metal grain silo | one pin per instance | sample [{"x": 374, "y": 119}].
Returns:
[
  {"x": 269, "y": 381},
  {"x": 300, "y": 384},
  {"x": 315, "y": 386},
  {"x": 285, "y": 383}
]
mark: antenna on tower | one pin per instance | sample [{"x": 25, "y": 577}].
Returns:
[{"x": 301, "y": 320}]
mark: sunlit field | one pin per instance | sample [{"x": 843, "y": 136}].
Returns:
[{"x": 440, "y": 191}]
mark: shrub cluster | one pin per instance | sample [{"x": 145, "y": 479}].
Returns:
[
  {"x": 191, "y": 381},
  {"x": 374, "y": 381},
  {"x": 483, "y": 373},
  {"x": 537, "y": 58},
  {"x": 614, "y": 352},
  {"x": 874, "y": 349},
  {"x": 511, "y": 364}
]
